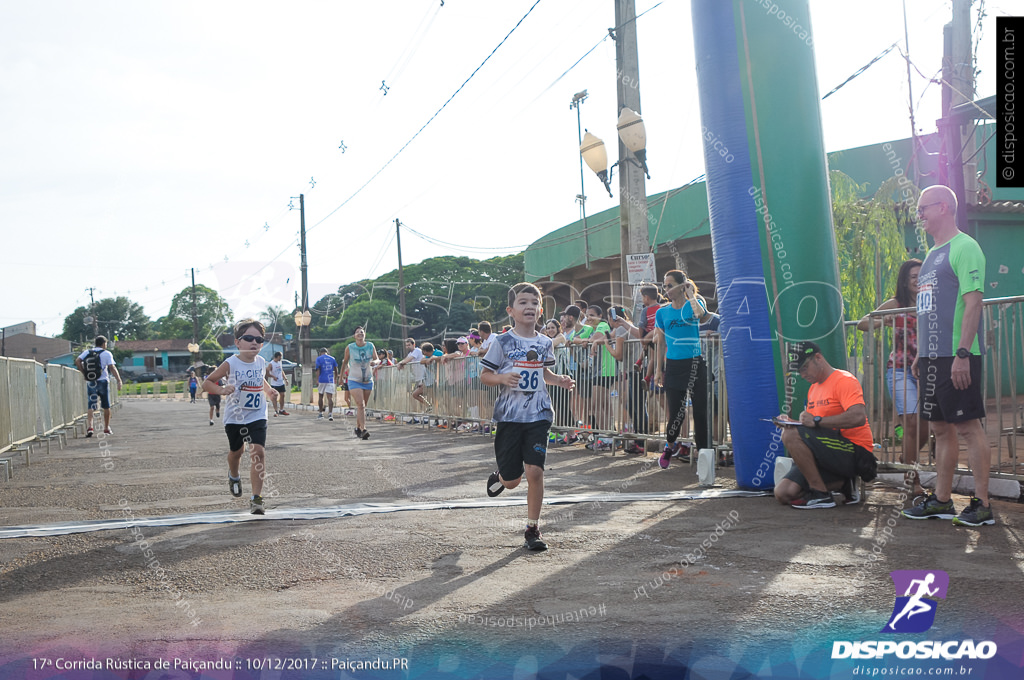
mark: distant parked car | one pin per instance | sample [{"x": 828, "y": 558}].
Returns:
[{"x": 148, "y": 377}]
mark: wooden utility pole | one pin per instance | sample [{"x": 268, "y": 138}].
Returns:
[
  {"x": 632, "y": 187},
  {"x": 401, "y": 280}
]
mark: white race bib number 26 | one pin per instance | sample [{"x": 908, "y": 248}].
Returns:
[
  {"x": 531, "y": 375},
  {"x": 251, "y": 401}
]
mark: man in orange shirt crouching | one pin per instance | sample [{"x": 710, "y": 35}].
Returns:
[{"x": 831, "y": 443}]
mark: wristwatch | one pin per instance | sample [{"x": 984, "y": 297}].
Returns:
[
  {"x": 817, "y": 421},
  {"x": 963, "y": 353}
]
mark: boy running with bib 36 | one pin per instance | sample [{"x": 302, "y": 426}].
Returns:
[
  {"x": 245, "y": 410},
  {"x": 520, "y": 363}
]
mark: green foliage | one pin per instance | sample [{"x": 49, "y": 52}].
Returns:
[
  {"x": 120, "y": 355},
  {"x": 212, "y": 311},
  {"x": 444, "y": 297},
  {"x": 870, "y": 242},
  {"x": 115, "y": 317},
  {"x": 167, "y": 328}
]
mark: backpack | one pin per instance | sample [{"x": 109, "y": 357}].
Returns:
[{"x": 92, "y": 366}]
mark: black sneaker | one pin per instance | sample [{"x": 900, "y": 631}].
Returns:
[
  {"x": 235, "y": 485},
  {"x": 365, "y": 435},
  {"x": 851, "y": 491},
  {"x": 256, "y": 505},
  {"x": 975, "y": 515},
  {"x": 494, "y": 485},
  {"x": 88, "y": 433},
  {"x": 931, "y": 508},
  {"x": 359, "y": 433},
  {"x": 533, "y": 540},
  {"x": 814, "y": 500}
]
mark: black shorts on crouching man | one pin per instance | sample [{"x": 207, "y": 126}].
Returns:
[
  {"x": 519, "y": 444},
  {"x": 837, "y": 458},
  {"x": 249, "y": 433}
]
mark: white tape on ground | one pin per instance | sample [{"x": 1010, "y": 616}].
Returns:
[{"x": 90, "y": 526}]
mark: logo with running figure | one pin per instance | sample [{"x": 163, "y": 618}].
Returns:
[{"x": 916, "y": 595}]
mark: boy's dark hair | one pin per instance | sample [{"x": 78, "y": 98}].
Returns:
[
  {"x": 427, "y": 348},
  {"x": 573, "y": 311},
  {"x": 322, "y": 350},
  {"x": 412, "y": 340},
  {"x": 485, "y": 326},
  {"x": 649, "y": 291},
  {"x": 100, "y": 341},
  {"x": 245, "y": 323},
  {"x": 582, "y": 304},
  {"x": 278, "y": 354},
  {"x": 524, "y": 287}
]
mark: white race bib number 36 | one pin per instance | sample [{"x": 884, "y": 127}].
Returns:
[{"x": 531, "y": 375}]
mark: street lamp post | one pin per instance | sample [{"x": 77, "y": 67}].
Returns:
[{"x": 578, "y": 99}]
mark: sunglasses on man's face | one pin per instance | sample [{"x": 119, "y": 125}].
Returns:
[{"x": 252, "y": 338}]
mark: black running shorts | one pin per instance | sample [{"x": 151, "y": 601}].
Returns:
[
  {"x": 834, "y": 454},
  {"x": 940, "y": 400},
  {"x": 250, "y": 433},
  {"x": 516, "y": 444}
]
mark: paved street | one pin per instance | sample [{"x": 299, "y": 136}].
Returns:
[{"x": 652, "y": 585}]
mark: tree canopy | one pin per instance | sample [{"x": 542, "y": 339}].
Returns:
[
  {"x": 870, "y": 241},
  {"x": 212, "y": 311},
  {"x": 115, "y": 318},
  {"x": 444, "y": 296}
]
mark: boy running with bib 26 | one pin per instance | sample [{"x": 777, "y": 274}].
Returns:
[{"x": 245, "y": 410}]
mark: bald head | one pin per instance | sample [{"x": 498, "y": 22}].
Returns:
[{"x": 936, "y": 212}]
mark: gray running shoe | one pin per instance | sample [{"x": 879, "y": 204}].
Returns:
[
  {"x": 256, "y": 505},
  {"x": 534, "y": 541},
  {"x": 975, "y": 515},
  {"x": 931, "y": 508}
]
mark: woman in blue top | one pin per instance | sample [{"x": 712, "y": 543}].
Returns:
[
  {"x": 360, "y": 359},
  {"x": 680, "y": 368}
]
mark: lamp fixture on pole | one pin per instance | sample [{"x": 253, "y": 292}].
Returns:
[
  {"x": 596, "y": 157},
  {"x": 633, "y": 134}
]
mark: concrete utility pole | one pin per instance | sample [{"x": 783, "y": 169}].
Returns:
[
  {"x": 195, "y": 318},
  {"x": 304, "y": 329},
  {"x": 632, "y": 188},
  {"x": 92, "y": 309},
  {"x": 962, "y": 177},
  {"x": 401, "y": 280}
]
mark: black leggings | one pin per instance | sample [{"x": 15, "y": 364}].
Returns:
[{"x": 684, "y": 376}]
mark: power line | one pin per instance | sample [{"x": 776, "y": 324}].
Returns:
[{"x": 436, "y": 113}]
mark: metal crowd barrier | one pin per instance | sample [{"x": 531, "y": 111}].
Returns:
[
  {"x": 613, "y": 398},
  {"x": 1002, "y": 385},
  {"x": 37, "y": 403}
]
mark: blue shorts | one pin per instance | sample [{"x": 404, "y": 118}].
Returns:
[
  {"x": 902, "y": 389},
  {"x": 356, "y": 385},
  {"x": 98, "y": 392}
]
